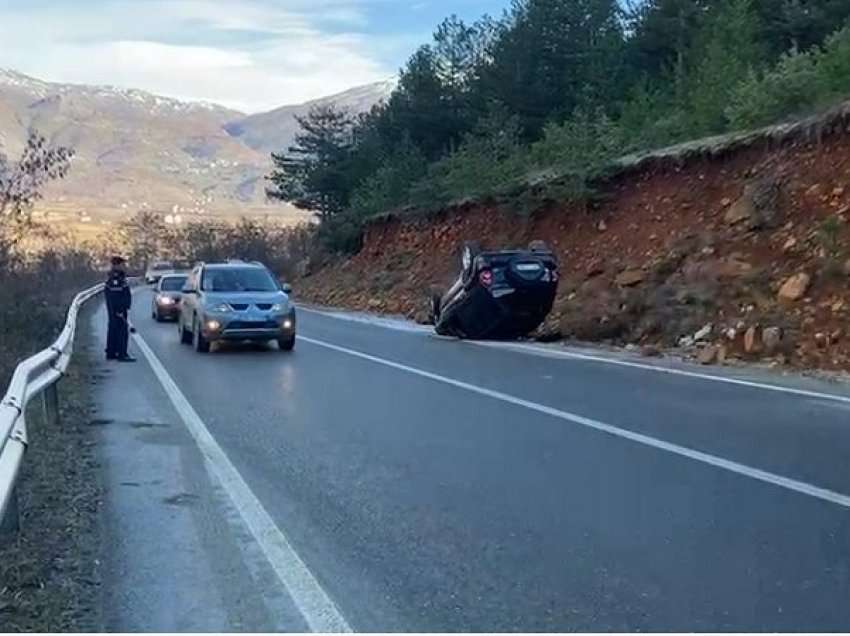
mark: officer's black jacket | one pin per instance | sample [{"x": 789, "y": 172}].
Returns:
[{"x": 117, "y": 292}]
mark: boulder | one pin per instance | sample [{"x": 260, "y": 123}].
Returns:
[
  {"x": 771, "y": 337},
  {"x": 630, "y": 278},
  {"x": 795, "y": 287},
  {"x": 758, "y": 206}
]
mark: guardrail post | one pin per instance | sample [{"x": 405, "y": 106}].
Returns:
[
  {"x": 10, "y": 523},
  {"x": 50, "y": 401}
]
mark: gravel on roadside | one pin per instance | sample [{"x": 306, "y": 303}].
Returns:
[{"x": 49, "y": 571}]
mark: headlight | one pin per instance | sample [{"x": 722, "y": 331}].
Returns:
[
  {"x": 165, "y": 300},
  {"x": 277, "y": 307},
  {"x": 287, "y": 324},
  {"x": 213, "y": 325},
  {"x": 221, "y": 308}
]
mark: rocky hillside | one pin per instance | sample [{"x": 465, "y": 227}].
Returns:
[
  {"x": 136, "y": 150},
  {"x": 276, "y": 129},
  {"x": 733, "y": 247}
]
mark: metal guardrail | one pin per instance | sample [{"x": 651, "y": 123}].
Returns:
[{"x": 36, "y": 375}]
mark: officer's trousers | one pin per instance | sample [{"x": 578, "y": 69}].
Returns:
[{"x": 117, "y": 336}]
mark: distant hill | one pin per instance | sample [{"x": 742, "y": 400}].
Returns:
[
  {"x": 137, "y": 150},
  {"x": 275, "y": 130}
]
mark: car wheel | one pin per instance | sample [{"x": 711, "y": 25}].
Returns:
[
  {"x": 286, "y": 344},
  {"x": 471, "y": 249},
  {"x": 200, "y": 343}
]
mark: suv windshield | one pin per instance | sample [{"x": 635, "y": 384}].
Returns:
[
  {"x": 243, "y": 279},
  {"x": 173, "y": 283}
]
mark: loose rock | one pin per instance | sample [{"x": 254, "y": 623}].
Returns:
[
  {"x": 630, "y": 278},
  {"x": 795, "y": 287},
  {"x": 751, "y": 340},
  {"x": 707, "y": 355},
  {"x": 771, "y": 337},
  {"x": 703, "y": 333}
]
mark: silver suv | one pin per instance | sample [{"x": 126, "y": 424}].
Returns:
[{"x": 235, "y": 301}]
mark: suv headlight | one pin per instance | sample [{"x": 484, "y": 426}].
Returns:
[
  {"x": 221, "y": 308},
  {"x": 279, "y": 307}
]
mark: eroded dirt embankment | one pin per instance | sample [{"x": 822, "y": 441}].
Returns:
[{"x": 741, "y": 252}]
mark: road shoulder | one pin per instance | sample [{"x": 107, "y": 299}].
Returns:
[{"x": 49, "y": 572}]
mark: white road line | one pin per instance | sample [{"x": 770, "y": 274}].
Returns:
[
  {"x": 546, "y": 352},
  {"x": 551, "y": 352},
  {"x": 318, "y": 610},
  {"x": 646, "y": 440}
]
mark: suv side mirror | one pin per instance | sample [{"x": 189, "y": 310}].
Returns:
[{"x": 287, "y": 288}]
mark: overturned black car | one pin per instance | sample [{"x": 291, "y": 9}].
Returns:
[{"x": 499, "y": 294}]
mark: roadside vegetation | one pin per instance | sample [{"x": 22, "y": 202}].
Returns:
[
  {"x": 281, "y": 248},
  {"x": 534, "y": 105},
  {"x": 36, "y": 285},
  {"x": 48, "y": 580}
]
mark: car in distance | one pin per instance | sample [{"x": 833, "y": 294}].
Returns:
[
  {"x": 157, "y": 270},
  {"x": 235, "y": 301},
  {"x": 165, "y": 303},
  {"x": 498, "y": 294}
]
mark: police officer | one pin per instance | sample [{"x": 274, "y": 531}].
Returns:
[{"x": 118, "y": 301}]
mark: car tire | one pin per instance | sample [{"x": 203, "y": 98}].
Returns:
[
  {"x": 200, "y": 344},
  {"x": 471, "y": 249},
  {"x": 286, "y": 344},
  {"x": 157, "y": 316}
]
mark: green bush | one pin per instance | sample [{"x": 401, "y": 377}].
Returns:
[
  {"x": 790, "y": 88},
  {"x": 833, "y": 67},
  {"x": 491, "y": 160},
  {"x": 798, "y": 84}
]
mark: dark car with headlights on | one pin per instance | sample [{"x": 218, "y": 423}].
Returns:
[
  {"x": 167, "y": 295},
  {"x": 235, "y": 301},
  {"x": 498, "y": 294}
]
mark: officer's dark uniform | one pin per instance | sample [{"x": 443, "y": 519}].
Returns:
[{"x": 118, "y": 300}]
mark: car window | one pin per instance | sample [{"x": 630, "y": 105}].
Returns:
[
  {"x": 241, "y": 279},
  {"x": 172, "y": 283}
]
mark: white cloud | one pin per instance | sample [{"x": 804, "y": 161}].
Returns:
[{"x": 245, "y": 54}]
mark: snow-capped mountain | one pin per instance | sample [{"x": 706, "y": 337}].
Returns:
[
  {"x": 137, "y": 150},
  {"x": 275, "y": 130}
]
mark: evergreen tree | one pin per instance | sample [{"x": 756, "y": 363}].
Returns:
[{"x": 314, "y": 174}]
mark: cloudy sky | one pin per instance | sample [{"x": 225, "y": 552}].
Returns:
[{"x": 247, "y": 54}]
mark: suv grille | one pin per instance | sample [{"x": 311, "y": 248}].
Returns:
[
  {"x": 264, "y": 306},
  {"x": 239, "y": 306},
  {"x": 252, "y": 324}
]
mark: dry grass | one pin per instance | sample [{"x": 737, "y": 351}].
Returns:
[{"x": 49, "y": 580}]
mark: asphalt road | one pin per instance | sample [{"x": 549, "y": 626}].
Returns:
[{"x": 410, "y": 482}]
